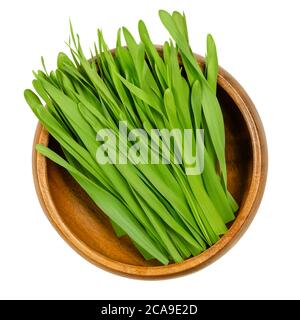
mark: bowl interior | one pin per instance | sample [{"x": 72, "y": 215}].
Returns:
[{"x": 88, "y": 224}]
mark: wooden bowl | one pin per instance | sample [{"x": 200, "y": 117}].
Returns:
[{"x": 89, "y": 232}]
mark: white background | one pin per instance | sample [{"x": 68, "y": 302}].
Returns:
[{"x": 258, "y": 42}]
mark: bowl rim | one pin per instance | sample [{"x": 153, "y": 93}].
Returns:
[{"x": 239, "y": 226}]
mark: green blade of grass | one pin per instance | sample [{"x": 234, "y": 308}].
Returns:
[{"x": 110, "y": 205}]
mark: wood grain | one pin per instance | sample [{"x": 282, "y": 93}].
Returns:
[{"x": 89, "y": 232}]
